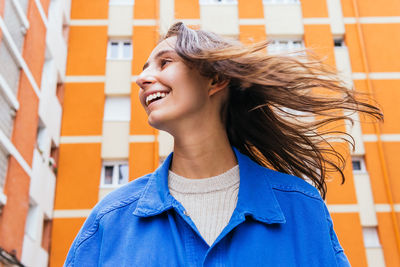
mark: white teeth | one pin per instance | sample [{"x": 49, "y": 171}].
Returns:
[{"x": 155, "y": 95}]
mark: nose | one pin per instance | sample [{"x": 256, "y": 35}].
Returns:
[{"x": 145, "y": 79}]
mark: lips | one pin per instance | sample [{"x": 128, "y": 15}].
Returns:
[{"x": 152, "y": 97}]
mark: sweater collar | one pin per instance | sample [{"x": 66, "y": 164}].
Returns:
[{"x": 256, "y": 197}]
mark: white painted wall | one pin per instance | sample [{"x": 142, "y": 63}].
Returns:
[
  {"x": 365, "y": 199},
  {"x": 33, "y": 255},
  {"x": 43, "y": 183},
  {"x": 104, "y": 192},
  {"x": 118, "y": 77},
  {"x": 336, "y": 17},
  {"x": 344, "y": 67},
  {"x": 56, "y": 44},
  {"x": 120, "y": 20},
  {"x": 49, "y": 107},
  {"x": 166, "y": 143},
  {"x": 115, "y": 143},
  {"x": 167, "y": 17},
  {"x": 222, "y": 19},
  {"x": 375, "y": 257},
  {"x": 283, "y": 20}
]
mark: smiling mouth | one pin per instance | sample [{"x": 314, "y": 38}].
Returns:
[{"x": 154, "y": 97}]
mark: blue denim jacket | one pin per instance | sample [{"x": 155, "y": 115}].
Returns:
[{"x": 279, "y": 220}]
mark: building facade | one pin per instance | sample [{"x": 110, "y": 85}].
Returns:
[
  {"x": 33, "y": 49},
  {"x": 106, "y": 141}
]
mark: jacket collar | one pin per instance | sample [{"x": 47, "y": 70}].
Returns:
[{"x": 256, "y": 197}]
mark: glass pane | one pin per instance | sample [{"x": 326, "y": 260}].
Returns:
[
  {"x": 108, "y": 174},
  {"x": 127, "y": 51},
  {"x": 356, "y": 165},
  {"x": 114, "y": 50},
  {"x": 123, "y": 176},
  {"x": 117, "y": 108}
]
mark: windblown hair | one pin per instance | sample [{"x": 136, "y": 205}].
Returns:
[{"x": 281, "y": 109}]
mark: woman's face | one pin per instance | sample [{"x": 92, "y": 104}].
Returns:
[{"x": 170, "y": 91}]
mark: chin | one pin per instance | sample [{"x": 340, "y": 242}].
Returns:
[{"x": 156, "y": 122}]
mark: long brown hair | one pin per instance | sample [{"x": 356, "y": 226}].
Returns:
[{"x": 271, "y": 100}]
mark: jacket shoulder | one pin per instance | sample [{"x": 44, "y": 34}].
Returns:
[
  {"x": 123, "y": 197},
  {"x": 290, "y": 183}
]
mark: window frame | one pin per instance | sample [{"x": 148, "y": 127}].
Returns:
[
  {"x": 363, "y": 168},
  {"x": 120, "y": 49},
  {"x": 284, "y": 2},
  {"x": 114, "y": 179},
  {"x": 290, "y": 47},
  {"x": 112, "y": 115},
  {"x": 121, "y": 2},
  {"x": 214, "y": 2}
]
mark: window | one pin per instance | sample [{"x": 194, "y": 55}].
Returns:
[
  {"x": 114, "y": 174},
  {"x": 282, "y": 46},
  {"x": 122, "y": 2},
  {"x": 119, "y": 49},
  {"x": 358, "y": 164},
  {"x": 281, "y": 1},
  {"x": 210, "y": 2},
  {"x": 371, "y": 238},
  {"x": 117, "y": 108},
  {"x": 338, "y": 42}
]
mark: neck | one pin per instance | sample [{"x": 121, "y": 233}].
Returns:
[{"x": 202, "y": 154}]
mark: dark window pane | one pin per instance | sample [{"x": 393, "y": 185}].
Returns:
[
  {"x": 108, "y": 174},
  {"x": 356, "y": 165}
]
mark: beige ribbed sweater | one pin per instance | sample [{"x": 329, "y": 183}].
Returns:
[{"x": 208, "y": 201}]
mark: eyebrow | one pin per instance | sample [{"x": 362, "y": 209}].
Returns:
[{"x": 159, "y": 54}]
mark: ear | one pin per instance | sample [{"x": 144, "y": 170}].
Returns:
[{"x": 216, "y": 86}]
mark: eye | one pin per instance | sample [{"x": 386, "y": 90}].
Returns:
[{"x": 164, "y": 62}]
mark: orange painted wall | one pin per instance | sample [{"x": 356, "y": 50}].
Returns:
[
  {"x": 146, "y": 9},
  {"x": 45, "y": 5},
  {"x": 319, "y": 39},
  {"x": 387, "y": 239},
  {"x": 13, "y": 215},
  {"x": 78, "y": 177},
  {"x": 348, "y": 229},
  {"x": 314, "y": 9},
  {"x": 144, "y": 40},
  {"x": 16, "y": 188},
  {"x": 141, "y": 159},
  {"x": 250, "y": 9},
  {"x": 87, "y": 50},
  {"x": 339, "y": 193},
  {"x": 249, "y": 34},
  {"x": 392, "y": 156},
  {"x": 138, "y": 123},
  {"x": 187, "y": 9},
  {"x": 89, "y": 9},
  {"x": 386, "y": 94},
  {"x": 83, "y": 109},
  {"x": 375, "y": 34},
  {"x": 371, "y": 8},
  {"x": 63, "y": 234}
]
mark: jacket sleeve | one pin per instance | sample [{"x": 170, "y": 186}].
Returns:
[
  {"x": 85, "y": 249},
  {"x": 341, "y": 258}
]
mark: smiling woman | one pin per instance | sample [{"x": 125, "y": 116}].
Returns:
[{"x": 246, "y": 126}]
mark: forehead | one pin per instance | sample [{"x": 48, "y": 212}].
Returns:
[{"x": 167, "y": 44}]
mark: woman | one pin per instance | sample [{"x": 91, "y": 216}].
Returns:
[{"x": 228, "y": 195}]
